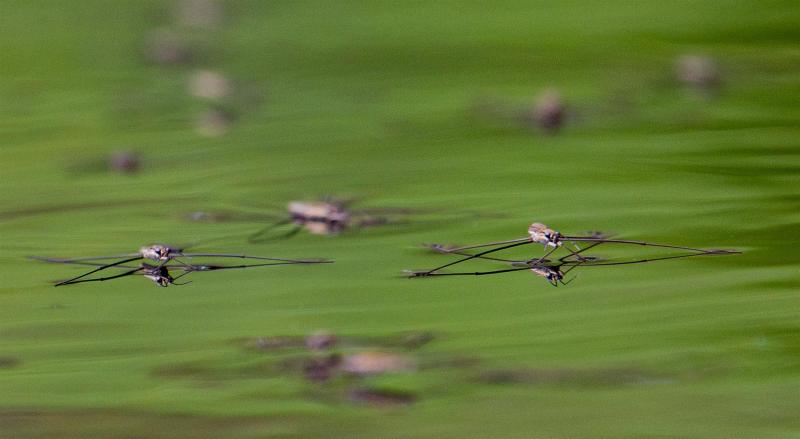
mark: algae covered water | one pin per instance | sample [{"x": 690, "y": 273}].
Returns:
[{"x": 111, "y": 139}]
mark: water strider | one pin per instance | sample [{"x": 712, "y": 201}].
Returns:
[
  {"x": 161, "y": 274},
  {"x": 324, "y": 217},
  {"x": 162, "y": 254},
  {"x": 539, "y": 233}
]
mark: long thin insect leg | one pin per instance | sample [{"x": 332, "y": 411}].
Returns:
[
  {"x": 294, "y": 231},
  {"x": 539, "y": 260},
  {"x": 227, "y": 255},
  {"x": 178, "y": 277},
  {"x": 571, "y": 268},
  {"x": 290, "y": 233},
  {"x": 488, "y": 258},
  {"x": 88, "y": 258},
  {"x": 477, "y": 255},
  {"x": 192, "y": 268},
  {"x": 69, "y": 281},
  {"x": 438, "y": 249},
  {"x": 255, "y": 236},
  {"x": 575, "y": 252},
  {"x": 595, "y": 244},
  {"x": 183, "y": 264},
  {"x": 100, "y": 279},
  {"x": 488, "y": 244},
  {"x": 640, "y": 261},
  {"x": 568, "y": 270},
  {"x": 627, "y": 241},
  {"x": 92, "y": 264},
  {"x": 476, "y": 273}
]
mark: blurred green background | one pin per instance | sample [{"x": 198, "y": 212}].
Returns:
[{"x": 415, "y": 105}]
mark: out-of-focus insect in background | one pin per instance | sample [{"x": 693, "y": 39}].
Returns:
[{"x": 449, "y": 122}]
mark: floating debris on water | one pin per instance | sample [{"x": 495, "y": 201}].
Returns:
[
  {"x": 698, "y": 71},
  {"x": 209, "y": 84},
  {"x": 167, "y": 48},
  {"x": 276, "y": 342},
  {"x": 415, "y": 340},
  {"x": 381, "y": 397},
  {"x": 548, "y": 112},
  {"x": 575, "y": 377},
  {"x": 9, "y": 362},
  {"x": 123, "y": 162},
  {"x": 201, "y": 14},
  {"x": 213, "y": 122},
  {"x": 321, "y": 341},
  {"x": 321, "y": 369}
]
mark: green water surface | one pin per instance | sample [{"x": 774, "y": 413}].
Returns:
[{"x": 387, "y": 102}]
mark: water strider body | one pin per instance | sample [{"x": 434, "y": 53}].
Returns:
[
  {"x": 320, "y": 217},
  {"x": 541, "y": 234}
]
